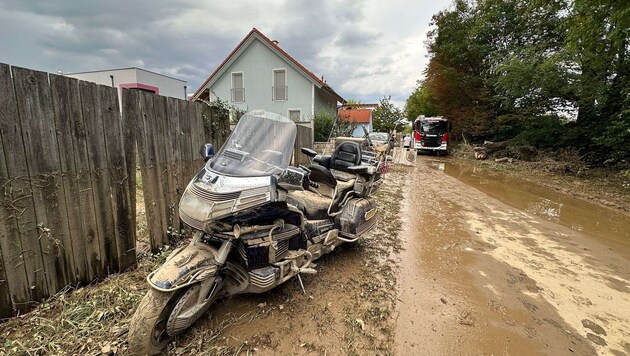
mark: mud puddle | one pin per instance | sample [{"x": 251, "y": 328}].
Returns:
[{"x": 580, "y": 215}]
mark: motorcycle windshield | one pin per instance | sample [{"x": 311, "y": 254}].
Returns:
[{"x": 260, "y": 145}]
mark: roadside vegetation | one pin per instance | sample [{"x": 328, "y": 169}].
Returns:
[
  {"x": 547, "y": 75},
  {"x": 327, "y": 126}
]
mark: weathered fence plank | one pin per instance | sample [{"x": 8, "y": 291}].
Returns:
[
  {"x": 94, "y": 250},
  {"x": 124, "y": 233},
  {"x": 197, "y": 113},
  {"x": 67, "y": 106},
  {"x": 160, "y": 143},
  {"x": 173, "y": 161},
  {"x": 304, "y": 138},
  {"x": 145, "y": 136},
  {"x": 186, "y": 139},
  {"x": 132, "y": 104},
  {"x": 38, "y": 132},
  {"x": 93, "y": 118},
  {"x": 15, "y": 201}
]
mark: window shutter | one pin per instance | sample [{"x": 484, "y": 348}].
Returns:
[
  {"x": 238, "y": 92},
  {"x": 280, "y": 85}
]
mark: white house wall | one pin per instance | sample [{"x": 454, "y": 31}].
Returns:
[
  {"x": 167, "y": 86},
  {"x": 257, "y": 64},
  {"x": 325, "y": 101}
]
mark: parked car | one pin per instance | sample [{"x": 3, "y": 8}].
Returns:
[{"x": 379, "y": 138}]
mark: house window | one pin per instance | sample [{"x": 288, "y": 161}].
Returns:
[
  {"x": 238, "y": 90},
  {"x": 280, "y": 89},
  {"x": 295, "y": 115}
]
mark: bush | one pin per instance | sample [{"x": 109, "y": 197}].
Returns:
[{"x": 325, "y": 125}]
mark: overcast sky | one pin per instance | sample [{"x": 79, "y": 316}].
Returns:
[{"x": 364, "y": 49}]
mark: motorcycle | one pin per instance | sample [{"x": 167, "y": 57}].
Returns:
[{"x": 256, "y": 222}]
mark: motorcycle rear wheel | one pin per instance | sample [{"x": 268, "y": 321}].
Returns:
[{"x": 147, "y": 329}]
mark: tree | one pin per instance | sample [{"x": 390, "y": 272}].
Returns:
[
  {"x": 454, "y": 74},
  {"x": 503, "y": 69},
  {"x": 420, "y": 102},
  {"x": 384, "y": 117},
  {"x": 352, "y": 102}
]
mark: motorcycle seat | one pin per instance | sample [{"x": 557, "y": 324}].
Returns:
[
  {"x": 313, "y": 205},
  {"x": 321, "y": 175},
  {"x": 316, "y": 206}
]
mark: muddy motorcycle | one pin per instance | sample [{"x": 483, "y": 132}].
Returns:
[{"x": 256, "y": 222}]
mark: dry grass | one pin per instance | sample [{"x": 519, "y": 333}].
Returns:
[{"x": 84, "y": 321}]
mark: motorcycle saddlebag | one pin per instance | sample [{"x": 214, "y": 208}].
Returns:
[{"x": 357, "y": 217}]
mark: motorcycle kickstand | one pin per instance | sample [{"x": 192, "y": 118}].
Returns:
[{"x": 299, "y": 276}]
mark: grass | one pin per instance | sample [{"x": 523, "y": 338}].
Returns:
[{"x": 81, "y": 321}]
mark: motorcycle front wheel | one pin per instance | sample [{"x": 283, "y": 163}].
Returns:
[{"x": 147, "y": 329}]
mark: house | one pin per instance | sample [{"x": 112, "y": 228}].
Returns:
[
  {"x": 135, "y": 78},
  {"x": 259, "y": 75},
  {"x": 358, "y": 118}
]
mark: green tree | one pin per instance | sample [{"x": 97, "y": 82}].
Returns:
[
  {"x": 420, "y": 102},
  {"x": 508, "y": 68},
  {"x": 384, "y": 117},
  {"x": 352, "y": 102}
]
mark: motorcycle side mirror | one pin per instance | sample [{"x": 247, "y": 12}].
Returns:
[{"x": 206, "y": 151}]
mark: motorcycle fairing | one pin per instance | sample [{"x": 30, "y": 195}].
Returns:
[{"x": 193, "y": 263}]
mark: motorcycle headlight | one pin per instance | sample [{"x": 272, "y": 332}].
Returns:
[
  {"x": 194, "y": 207},
  {"x": 222, "y": 208}
]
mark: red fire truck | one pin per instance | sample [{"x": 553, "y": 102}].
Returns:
[{"x": 431, "y": 134}]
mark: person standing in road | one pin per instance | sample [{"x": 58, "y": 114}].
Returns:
[{"x": 406, "y": 141}]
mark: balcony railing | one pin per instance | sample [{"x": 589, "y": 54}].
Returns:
[
  {"x": 238, "y": 95},
  {"x": 280, "y": 93}
]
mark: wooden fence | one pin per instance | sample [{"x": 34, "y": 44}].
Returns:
[
  {"x": 169, "y": 133},
  {"x": 304, "y": 138},
  {"x": 68, "y": 177},
  {"x": 66, "y": 203}
]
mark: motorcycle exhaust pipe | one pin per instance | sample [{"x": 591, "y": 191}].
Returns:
[{"x": 238, "y": 231}]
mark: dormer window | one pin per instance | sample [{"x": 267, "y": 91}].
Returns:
[{"x": 280, "y": 91}]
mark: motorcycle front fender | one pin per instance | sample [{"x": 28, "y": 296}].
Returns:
[{"x": 191, "y": 264}]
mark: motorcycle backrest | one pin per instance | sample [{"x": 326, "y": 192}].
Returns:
[{"x": 346, "y": 155}]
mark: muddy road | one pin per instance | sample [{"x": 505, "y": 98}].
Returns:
[{"x": 497, "y": 266}]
